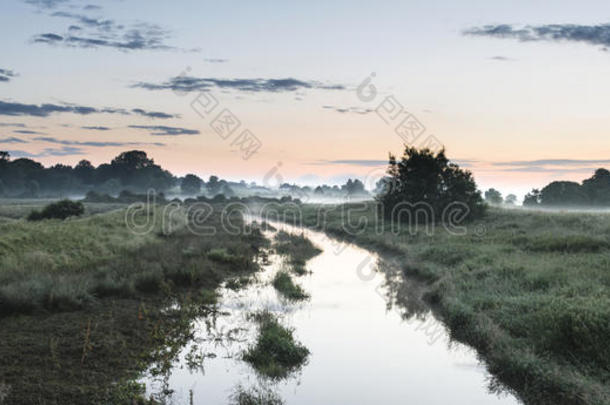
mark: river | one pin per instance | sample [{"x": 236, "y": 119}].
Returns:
[{"x": 364, "y": 348}]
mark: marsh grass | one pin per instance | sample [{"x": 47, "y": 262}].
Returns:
[
  {"x": 254, "y": 396},
  {"x": 529, "y": 290},
  {"x": 276, "y": 353},
  {"x": 297, "y": 248},
  {"x": 87, "y": 305},
  {"x": 284, "y": 284}
]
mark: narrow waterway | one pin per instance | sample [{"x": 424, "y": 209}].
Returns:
[{"x": 364, "y": 349}]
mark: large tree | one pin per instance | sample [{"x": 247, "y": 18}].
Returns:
[{"x": 424, "y": 178}]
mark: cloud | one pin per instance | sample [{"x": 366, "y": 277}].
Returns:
[
  {"x": 154, "y": 114},
  {"x": 188, "y": 84},
  {"x": 6, "y": 75},
  {"x": 91, "y": 7},
  {"x": 94, "y": 128},
  {"x": 93, "y": 143},
  {"x": 501, "y": 58},
  {"x": 12, "y": 139},
  {"x": 28, "y": 132},
  {"x": 44, "y": 110},
  {"x": 159, "y": 130},
  {"x": 45, "y": 3},
  {"x": 13, "y": 125},
  {"x": 554, "y": 162},
  {"x": 93, "y": 32},
  {"x": 344, "y": 110},
  {"x": 353, "y": 162},
  {"x": 588, "y": 34},
  {"x": 64, "y": 151},
  {"x": 215, "y": 60}
]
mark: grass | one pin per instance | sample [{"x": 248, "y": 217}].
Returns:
[
  {"x": 287, "y": 288},
  {"x": 297, "y": 248},
  {"x": 276, "y": 353},
  {"x": 84, "y": 303},
  {"x": 529, "y": 290},
  {"x": 255, "y": 396}
]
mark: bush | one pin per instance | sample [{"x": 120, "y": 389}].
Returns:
[{"x": 59, "y": 210}]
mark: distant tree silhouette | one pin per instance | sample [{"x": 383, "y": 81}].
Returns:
[
  {"x": 191, "y": 184},
  {"x": 510, "y": 199},
  {"x": 563, "y": 193},
  {"x": 422, "y": 176},
  {"x": 532, "y": 198},
  {"x": 597, "y": 187},
  {"x": 493, "y": 196}
]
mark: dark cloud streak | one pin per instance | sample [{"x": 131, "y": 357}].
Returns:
[
  {"x": 588, "y": 34},
  {"x": 189, "y": 84},
  {"x": 160, "y": 130}
]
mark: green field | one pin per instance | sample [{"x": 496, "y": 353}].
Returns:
[{"x": 529, "y": 290}]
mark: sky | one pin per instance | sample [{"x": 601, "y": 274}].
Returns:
[{"x": 310, "y": 92}]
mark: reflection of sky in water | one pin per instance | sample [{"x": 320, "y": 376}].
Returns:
[{"x": 361, "y": 352}]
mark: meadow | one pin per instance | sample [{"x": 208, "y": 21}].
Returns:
[{"x": 529, "y": 290}]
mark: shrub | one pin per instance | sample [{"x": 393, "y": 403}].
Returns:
[{"x": 59, "y": 210}]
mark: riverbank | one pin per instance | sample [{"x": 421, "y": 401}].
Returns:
[
  {"x": 86, "y": 304},
  {"x": 530, "y": 291}
]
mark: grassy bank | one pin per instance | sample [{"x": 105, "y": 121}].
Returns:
[
  {"x": 530, "y": 291},
  {"x": 84, "y": 302}
]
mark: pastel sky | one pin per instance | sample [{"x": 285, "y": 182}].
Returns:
[{"x": 516, "y": 91}]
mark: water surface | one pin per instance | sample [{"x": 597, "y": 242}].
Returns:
[{"x": 364, "y": 349}]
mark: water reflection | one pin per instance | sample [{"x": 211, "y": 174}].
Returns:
[{"x": 372, "y": 340}]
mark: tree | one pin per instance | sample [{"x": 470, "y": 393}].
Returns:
[
  {"x": 532, "y": 198},
  {"x": 597, "y": 187},
  {"x": 191, "y": 184},
  {"x": 510, "y": 199},
  {"x": 493, "y": 196},
  {"x": 423, "y": 177},
  {"x": 563, "y": 193},
  {"x": 213, "y": 185}
]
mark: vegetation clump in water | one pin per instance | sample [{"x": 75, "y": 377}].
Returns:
[
  {"x": 255, "y": 396},
  {"x": 284, "y": 284},
  {"x": 297, "y": 248},
  {"x": 276, "y": 353}
]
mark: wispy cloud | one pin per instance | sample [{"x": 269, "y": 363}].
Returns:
[
  {"x": 352, "y": 162},
  {"x": 154, "y": 114},
  {"x": 12, "y": 125},
  {"x": 215, "y": 60},
  {"x": 344, "y": 110},
  {"x": 160, "y": 130},
  {"x": 12, "y": 139},
  {"x": 553, "y": 162},
  {"x": 46, "y": 4},
  {"x": 44, "y": 110},
  {"x": 6, "y": 75},
  {"x": 588, "y": 34},
  {"x": 188, "y": 84},
  {"x": 63, "y": 151},
  {"x": 501, "y": 58},
  {"x": 97, "y": 128},
  {"x": 95, "y": 32},
  {"x": 93, "y": 143},
  {"x": 27, "y": 132}
]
